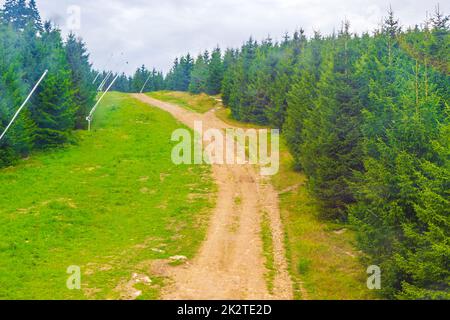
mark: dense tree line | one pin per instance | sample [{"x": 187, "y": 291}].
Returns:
[
  {"x": 367, "y": 119},
  {"x": 61, "y": 102}
]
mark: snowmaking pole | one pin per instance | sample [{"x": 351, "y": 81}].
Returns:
[
  {"x": 96, "y": 77},
  {"x": 89, "y": 117},
  {"x": 145, "y": 83},
  {"x": 102, "y": 84},
  {"x": 23, "y": 104}
]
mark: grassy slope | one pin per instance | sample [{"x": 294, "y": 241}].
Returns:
[
  {"x": 201, "y": 103},
  {"x": 103, "y": 205}
]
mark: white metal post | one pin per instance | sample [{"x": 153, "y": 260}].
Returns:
[
  {"x": 142, "y": 90},
  {"x": 96, "y": 77},
  {"x": 102, "y": 84},
  {"x": 110, "y": 73},
  {"x": 23, "y": 104},
  {"x": 89, "y": 117}
]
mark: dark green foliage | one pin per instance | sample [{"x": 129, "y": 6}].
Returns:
[
  {"x": 61, "y": 102},
  {"x": 20, "y": 15},
  {"x": 300, "y": 98},
  {"x": 330, "y": 149},
  {"x": 204, "y": 75},
  {"x": 367, "y": 119},
  {"x": 179, "y": 77},
  {"x": 54, "y": 106},
  {"x": 19, "y": 141},
  {"x": 199, "y": 76},
  {"x": 229, "y": 63},
  {"x": 402, "y": 207},
  {"x": 81, "y": 76},
  {"x": 215, "y": 73}
]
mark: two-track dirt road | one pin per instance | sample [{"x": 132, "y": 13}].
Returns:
[{"x": 230, "y": 263}]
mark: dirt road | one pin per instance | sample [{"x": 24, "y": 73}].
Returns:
[{"x": 230, "y": 264}]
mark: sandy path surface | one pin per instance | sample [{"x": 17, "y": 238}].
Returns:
[{"x": 230, "y": 264}]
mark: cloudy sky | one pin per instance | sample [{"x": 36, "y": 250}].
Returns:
[{"x": 154, "y": 32}]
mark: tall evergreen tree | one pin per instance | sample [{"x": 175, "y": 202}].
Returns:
[
  {"x": 34, "y": 16},
  {"x": 401, "y": 229},
  {"x": 83, "y": 90},
  {"x": 331, "y": 132},
  {"x": 302, "y": 96},
  {"x": 229, "y": 65},
  {"x": 199, "y": 75},
  {"x": 26, "y": 50},
  {"x": 19, "y": 14},
  {"x": 53, "y": 108},
  {"x": 215, "y": 73},
  {"x": 140, "y": 77}
]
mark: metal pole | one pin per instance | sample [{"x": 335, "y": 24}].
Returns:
[
  {"x": 23, "y": 104},
  {"x": 98, "y": 75},
  {"x": 142, "y": 90},
  {"x": 89, "y": 117}
]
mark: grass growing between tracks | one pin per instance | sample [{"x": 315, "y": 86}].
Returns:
[{"x": 321, "y": 254}]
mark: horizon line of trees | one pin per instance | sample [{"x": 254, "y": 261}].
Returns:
[
  {"x": 202, "y": 75},
  {"x": 366, "y": 118}
]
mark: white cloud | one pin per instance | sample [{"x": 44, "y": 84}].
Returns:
[{"x": 154, "y": 32}]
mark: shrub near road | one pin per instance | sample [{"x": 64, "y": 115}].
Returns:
[{"x": 111, "y": 205}]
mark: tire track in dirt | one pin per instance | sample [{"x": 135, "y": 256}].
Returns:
[{"x": 230, "y": 264}]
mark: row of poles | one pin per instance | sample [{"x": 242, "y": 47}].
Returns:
[{"x": 91, "y": 113}]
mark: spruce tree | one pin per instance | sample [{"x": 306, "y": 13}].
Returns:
[
  {"x": 199, "y": 76},
  {"x": 53, "y": 109},
  {"x": 229, "y": 65},
  {"x": 19, "y": 140},
  {"x": 331, "y": 133},
  {"x": 302, "y": 96},
  {"x": 215, "y": 73},
  {"x": 34, "y": 16},
  {"x": 83, "y": 91}
]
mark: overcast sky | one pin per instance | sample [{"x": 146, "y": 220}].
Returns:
[{"x": 154, "y": 32}]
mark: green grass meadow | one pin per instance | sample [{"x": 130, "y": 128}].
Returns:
[{"x": 111, "y": 204}]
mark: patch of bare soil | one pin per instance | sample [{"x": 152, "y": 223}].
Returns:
[{"x": 230, "y": 264}]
